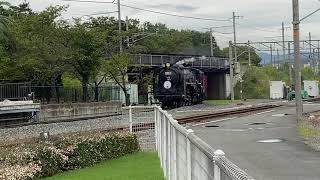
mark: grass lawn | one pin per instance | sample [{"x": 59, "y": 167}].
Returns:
[
  {"x": 220, "y": 102},
  {"x": 139, "y": 166}
]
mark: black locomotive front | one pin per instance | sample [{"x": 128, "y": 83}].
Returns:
[
  {"x": 176, "y": 86},
  {"x": 168, "y": 86}
]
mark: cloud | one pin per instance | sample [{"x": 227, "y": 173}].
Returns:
[
  {"x": 258, "y": 15},
  {"x": 173, "y": 7}
]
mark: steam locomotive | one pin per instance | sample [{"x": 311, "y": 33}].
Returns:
[{"x": 177, "y": 85}]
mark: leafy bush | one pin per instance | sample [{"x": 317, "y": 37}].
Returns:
[{"x": 64, "y": 153}]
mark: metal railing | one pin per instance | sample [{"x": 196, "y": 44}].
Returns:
[
  {"x": 194, "y": 61},
  {"x": 183, "y": 155}
]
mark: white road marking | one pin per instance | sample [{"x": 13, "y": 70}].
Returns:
[
  {"x": 220, "y": 120},
  {"x": 265, "y": 112},
  {"x": 278, "y": 115}
]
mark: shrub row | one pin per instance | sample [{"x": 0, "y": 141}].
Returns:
[{"x": 64, "y": 153}]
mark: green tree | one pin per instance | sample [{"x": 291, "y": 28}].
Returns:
[
  {"x": 116, "y": 69},
  {"x": 39, "y": 46},
  {"x": 86, "y": 53}
]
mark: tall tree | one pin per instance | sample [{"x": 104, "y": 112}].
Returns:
[
  {"x": 86, "y": 53},
  {"x": 116, "y": 69}
]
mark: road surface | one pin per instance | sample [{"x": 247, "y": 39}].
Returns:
[{"x": 290, "y": 159}]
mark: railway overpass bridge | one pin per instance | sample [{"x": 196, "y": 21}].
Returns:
[{"x": 215, "y": 68}]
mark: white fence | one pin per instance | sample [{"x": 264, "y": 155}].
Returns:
[{"x": 183, "y": 155}]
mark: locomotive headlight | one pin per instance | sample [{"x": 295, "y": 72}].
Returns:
[
  {"x": 167, "y": 85},
  {"x": 167, "y": 65}
]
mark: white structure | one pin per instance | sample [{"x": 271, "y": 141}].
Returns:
[
  {"x": 183, "y": 155},
  {"x": 277, "y": 89},
  {"x": 133, "y": 93},
  {"x": 312, "y": 87}
]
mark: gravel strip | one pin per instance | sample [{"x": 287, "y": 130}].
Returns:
[{"x": 12, "y": 134}]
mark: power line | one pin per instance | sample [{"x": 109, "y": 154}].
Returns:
[
  {"x": 95, "y": 14},
  {"x": 176, "y": 15},
  {"x": 152, "y": 11},
  {"x": 85, "y": 1}
]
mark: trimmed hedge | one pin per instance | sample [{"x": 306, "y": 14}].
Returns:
[{"x": 65, "y": 153}]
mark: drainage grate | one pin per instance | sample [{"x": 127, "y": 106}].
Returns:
[
  {"x": 212, "y": 126},
  {"x": 270, "y": 141}
]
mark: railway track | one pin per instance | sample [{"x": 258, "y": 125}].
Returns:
[
  {"x": 146, "y": 126},
  {"x": 199, "y": 118},
  {"x": 204, "y": 117}
]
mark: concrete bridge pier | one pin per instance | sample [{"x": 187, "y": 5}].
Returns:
[{"x": 218, "y": 85}]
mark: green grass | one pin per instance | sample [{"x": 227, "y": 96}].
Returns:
[
  {"x": 307, "y": 131},
  {"x": 220, "y": 102},
  {"x": 139, "y": 166}
]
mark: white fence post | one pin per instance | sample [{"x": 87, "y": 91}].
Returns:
[
  {"x": 218, "y": 153},
  {"x": 174, "y": 142},
  {"x": 130, "y": 118},
  {"x": 189, "y": 157},
  {"x": 160, "y": 134},
  {"x": 165, "y": 145},
  {"x": 169, "y": 150},
  {"x": 156, "y": 127}
]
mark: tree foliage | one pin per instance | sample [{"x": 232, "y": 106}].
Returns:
[{"x": 40, "y": 48}]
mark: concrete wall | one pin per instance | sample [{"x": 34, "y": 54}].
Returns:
[
  {"x": 217, "y": 85},
  {"x": 56, "y": 112}
]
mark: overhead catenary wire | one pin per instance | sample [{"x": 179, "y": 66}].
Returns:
[{"x": 152, "y": 11}]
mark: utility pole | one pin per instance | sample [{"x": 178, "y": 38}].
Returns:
[
  {"x": 127, "y": 29},
  {"x": 318, "y": 59},
  {"x": 235, "y": 37},
  {"x": 310, "y": 53},
  {"x": 278, "y": 58},
  {"x": 290, "y": 64},
  {"x": 119, "y": 25},
  {"x": 297, "y": 60},
  {"x": 283, "y": 45},
  {"x": 271, "y": 54},
  {"x": 249, "y": 49},
  {"x": 211, "y": 42},
  {"x": 231, "y": 62}
]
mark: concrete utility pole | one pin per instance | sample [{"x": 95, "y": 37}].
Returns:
[
  {"x": 310, "y": 53},
  {"x": 127, "y": 29},
  {"x": 297, "y": 60},
  {"x": 271, "y": 54},
  {"x": 249, "y": 51},
  {"x": 278, "y": 58},
  {"x": 290, "y": 64},
  {"x": 211, "y": 42},
  {"x": 235, "y": 37},
  {"x": 318, "y": 59},
  {"x": 283, "y": 45},
  {"x": 231, "y": 62},
  {"x": 119, "y": 24}
]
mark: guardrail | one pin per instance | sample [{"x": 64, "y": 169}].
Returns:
[
  {"x": 194, "y": 61},
  {"x": 183, "y": 155}
]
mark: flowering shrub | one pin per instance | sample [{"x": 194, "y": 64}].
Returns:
[{"x": 64, "y": 153}]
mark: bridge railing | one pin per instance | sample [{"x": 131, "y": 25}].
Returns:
[
  {"x": 183, "y": 155},
  {"x": 194, "y": 61}
]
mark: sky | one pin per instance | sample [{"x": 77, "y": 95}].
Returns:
[{"x": 260, "y": 19}]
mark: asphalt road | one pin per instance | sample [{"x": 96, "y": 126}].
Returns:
[{"x": 290, "y": 159}]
